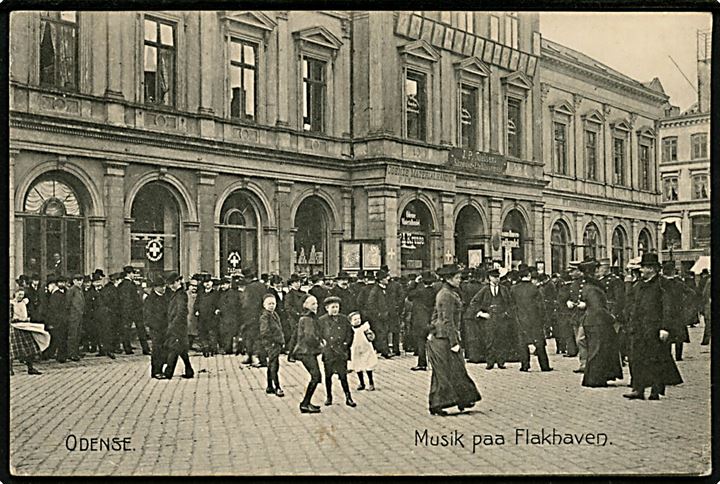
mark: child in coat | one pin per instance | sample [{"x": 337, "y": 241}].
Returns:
[{"x": 362, "y": 354}]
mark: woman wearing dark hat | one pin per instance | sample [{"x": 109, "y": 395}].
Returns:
[
  {"x": 651, "y": 363},
  {"x": 450, "y": 384},
  {"x": 308, "y": 348}
]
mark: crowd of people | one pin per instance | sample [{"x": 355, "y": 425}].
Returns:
[{"x": 447, "y": 318}]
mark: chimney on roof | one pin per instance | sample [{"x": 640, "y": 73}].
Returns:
[{"x": 704, "y": 43}]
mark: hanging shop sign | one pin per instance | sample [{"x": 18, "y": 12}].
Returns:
[
  {"x": 411, "y": 241},
  {"x": 476, "y": 161},
  {"x": 409, "y": 219},
  {"x": 234, "y": 259},
  {"x": 154, "y": 250},
  {"x": 511, "y": 239}
]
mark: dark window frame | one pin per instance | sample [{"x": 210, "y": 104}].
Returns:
[
  {"x": 314, "y": 120},
  {"x": 619, "y": 161},
  {"x": 514, "y": 150},
  {"x": 61, "y": 25},
  {"x": 242, "y": 65},
  {"x": 669, "y": 146},
  {"x": 420, "y": 132},
  {"x": 644, "y": 166},
  {"x": 703, "y": 195},
  {"x": 591, "y": 169},
  {"x": 156, "y": 100},
  {"x": 698, "y": 146},
  {"x": 560, "y": 147},
  {"x": 671, "y": 195},
  {"x": 473, "y": 94}
]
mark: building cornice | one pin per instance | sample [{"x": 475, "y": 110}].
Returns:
[{"x": 685, "y": 120}]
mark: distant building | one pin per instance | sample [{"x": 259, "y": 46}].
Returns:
[{"x": 685, "y": 172}]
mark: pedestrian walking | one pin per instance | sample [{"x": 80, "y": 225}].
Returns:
[
  {"x": 422, "y": 298},
  {"x": 308, "y": 348},
  {"x": 250, "y": 324},
  {"x": 273, "y": 341},
  {"x": 155, "y": 314},
  {"x": 530, "y": 313},
  {"x": 363, "y": 357},
  {"x": 27, "y": 340},
  {"x": 377, "y": 309},
  {"x": 651, "y": 363},
  {"x": 228, "y": 306},
  {"x": 75, "y": 301},
  {"x": 682, "y": 311},
  {"x": 338, "y": 335},
  {"x": 177, "y": 334},
  {"x": 450, "y": 384}
]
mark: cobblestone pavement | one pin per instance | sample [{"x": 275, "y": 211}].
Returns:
[{"x": 222, "y": 422}]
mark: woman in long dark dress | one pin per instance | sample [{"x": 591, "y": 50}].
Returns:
[{"x": 450, "y": 384}]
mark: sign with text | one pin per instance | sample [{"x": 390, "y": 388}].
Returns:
[
  {"x": 421, "y": 178},
  {"x": 476, "y": 161}
]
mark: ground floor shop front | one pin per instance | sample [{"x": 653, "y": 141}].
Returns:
[{"x": 72, "y": 214}]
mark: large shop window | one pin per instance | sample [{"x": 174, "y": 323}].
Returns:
[
  {"x": 238, "y": 235},
  {"x": 514, "y": 127},
  {"x": 670, "y": 189},
  {"x": 59, "y": 50},
  {"x": 469, "y": 117},
  {"x": 414, "y": 236},
  {"x": 243, "y": 77},
  {"x": 311, "y": 238},
  {"x": 700, "y": 232},
  {"x": 560, "y": 148},
  {"x": 54, "y": 228},
  {"x": 619, "y": 248},
  {"x": 469, "y": 237},
  {"x": 699, "y": 143},
  {"x": 415, "y": 105},
  {"x": 559, "y": 241},
  {"x": 159, "y": 62},
  {"x": 645, "y": 173},
  {"x": 591, "y": 154},
  {"x": 700, "y": 187},
  {"x": 619, "y": 161},
  {"x": 669, "y": 148},
  {"x": 644, "y": 242},
  {"x": 313, "y": 85},
  {"x": 155, "y": 230},
  {"x": 512, "y": 239},
  {"x": 672, "y": 237},
  {"x": 591, "y": 241}
]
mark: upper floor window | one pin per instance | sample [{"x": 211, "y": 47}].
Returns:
[
  {"x": 700, "y": 225},
  {"x": 243, "y": 71},
  {"x": 669, "y": 148},
  {"x": 700, "y": 187},
  {"x": 619, "y": 161},
  {"x": 511, "y": 30},
  {"x": 159, "y": 62},
  {"x": 644, "y": 154},
  {"x": 560, "y": 148},
  {"x": 494, "y": 28},
  {"x": 59, "y": 50},
  {"x": 514, "y": 127},
  {"x": 699, "y": 146},
  {"x": 591, "y": 157},
  {"x": 313, "y": 72},
  {"x": 415, "y": 105},
  {"x": 670, "y": 189},
  {"x": 469, "y": 117}
]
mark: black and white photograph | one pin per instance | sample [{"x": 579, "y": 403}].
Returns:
[{"x": 359, "y": 243}]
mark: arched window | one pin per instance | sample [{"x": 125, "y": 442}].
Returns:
[
  {"x": 672, "y": 237},
  {"x": 414, "y": 232},
  {"x": 591, "y": 241},
  {"x": 619, "y": 248},
  {"x": 513, "y": 239},
  {"x": 238, "y": 235},
  {"x": 469, "y": 237},
  {"x": 559, "y": 240},
  {"x": 644, "y": 242},
  {"x": 311, "y": 238},
  {"x": 54, "y": 228}
]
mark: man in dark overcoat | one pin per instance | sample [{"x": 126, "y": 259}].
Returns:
[
  {"x": 177, "y": 333},
  {"x": 422, "y": 298},
  {"x": 682, "y": 311},
  {"x": 530, "y": 313},
  {"x": 342, "y": 290},
  {"x": 206, "y": 310},
  {"x": 55, "y": 319},
  {"x": 319, "y": 290},
  {"x": 75, "y": 301},
  {"x": 130, "y": 302},
  {"x": 470, "y": 330},
  {"x": 651, "y": 363},
  {"x": 250, "y": 325},
  {"x": 228, "y": 305},
  {"x": 155, "y": 314},
  {"x": 110, "y": 315},
  {"x": 396, "y": 298},
  {"x": 579, "y": 280},
  {"x": 293, "y": 309},
  {"x": 91, "y": 321},
  {"x": 337, "y": 332},
  {"x": 493, "y": 306},
  {"x": 377, "y": 311}
]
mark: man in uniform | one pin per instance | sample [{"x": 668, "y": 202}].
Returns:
[
  {"x": 530, "y": 311},
  {"x": 155, "y": 313},
  {"x": 377, "y": 310},
  {"x": 338, "y": 335},
  {"x": 576, "y": 288},
  {"x": 493, "y": 304},
  {"x": 651, "y": 363},
  {"x": 75, "y": 300}
]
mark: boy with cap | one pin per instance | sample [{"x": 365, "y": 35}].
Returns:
[
  {"x": 273, "y": 340},
  {"x": 338, "y": 335}
]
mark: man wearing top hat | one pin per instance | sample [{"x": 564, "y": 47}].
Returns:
[
  {"x": 33, "y": 294},
  {"x": 91, "y": 323},
  {"x": 130, "y": 304},
  {"x": 377, "y": 311},
  {"x": 530, "y": 312},
  {"x": 75, "y": 301},
  {"x": 342, "y": 291},
  {"x": 229, "y": 305},
  {"x": 651, "y": 363},
  {"x": 206, "y": 310},
  {"x": 55, "y": 320},
  {"x": 493, "y": 309},
  {"x": 155, "y": 313}
]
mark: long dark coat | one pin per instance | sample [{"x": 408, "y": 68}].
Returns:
[
  {"x": 377, "y": 307},
  {"x": 501, "y": 328},
  {"x": 309, "y": 335},
  {"x": 206, "y": 302},
  {"x": 177, "y": 332},
  {"x": 271, "y": 331},
  {"x": 396, "y": 298},
  {"x": 681, "y": 309},
  {"x": 229, "y": 304},
  {"x": 603, "y": 355},
  {"x": 422, "y": 299},
  {"x": 651, "y": 362},
  {"x": 347, "y": 299},
  {"x": 338, "y": 335},
  {"x": 155, "y": 310},
  {"x": 530, "y": 312}
]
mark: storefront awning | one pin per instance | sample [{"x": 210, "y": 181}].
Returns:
[
  {"x": 671, "y": 220},
  {"x": 703, "y": 262}
]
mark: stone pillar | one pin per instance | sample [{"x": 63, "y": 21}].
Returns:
[
  {"x": 116, "y": 242},
  {"x": 606, "y": 159},
  {"x": 286, "y": 61},
  {"x": 609, "y": 222},
  {"x": 11, "y": 214},
  {"x": 686, "y": 231},
  {"x": 547, "y": 249},
  {"x": 632, "y": 163},
  {"x": 333, "y": 266},
  {"x": 347, "y": 221},
  {"x": 190, "y": 264},
  {"x": 286, "y": 244},
  {"x": 579, "y": 162},
  {"x": 293, "y": 231},
  {"x": 96, "y": 244},
  {"x": 495, "y": 209},
  {"x": 269, "y": 257},
  {"x": 383, "y": 222},
  {"x": 634, "y": 237},
  {"x": 579, "y": 239},
  {"x": 206, "y": 213},
  {"x": 208, "y": 36},
  {"x": 447, "y": 199},
  {"x": 539, "y": 241},
  {"x": 114, "y": 67}
]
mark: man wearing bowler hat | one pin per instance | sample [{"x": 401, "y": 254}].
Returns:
[
  {"x": 651, "y": 363},
  {"x": 342, "y": 290}
]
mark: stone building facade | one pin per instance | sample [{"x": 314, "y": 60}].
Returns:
[{"x": 308, "y": 141}]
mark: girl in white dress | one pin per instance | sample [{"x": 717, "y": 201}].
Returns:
[{"x": 362, "y": 354}]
